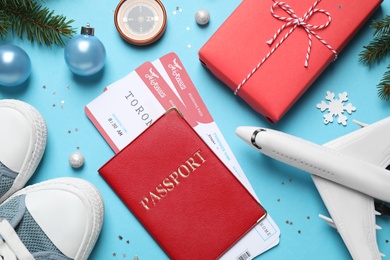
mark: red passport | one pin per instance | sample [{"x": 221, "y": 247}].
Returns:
[
  {"x": 278, "y": 69},
  {"x": 181, "y": 192}
]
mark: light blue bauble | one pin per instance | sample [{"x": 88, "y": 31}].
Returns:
[
  {"x": 85, "y": 54},
  {"x": 15, "y": 65}
]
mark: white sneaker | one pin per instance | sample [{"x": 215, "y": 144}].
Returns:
[
  {"x": 58, "y": 219},
  {"x": 23, "y": 136}
]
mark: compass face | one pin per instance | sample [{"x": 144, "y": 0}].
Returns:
[{"x": 140, "y": 21}]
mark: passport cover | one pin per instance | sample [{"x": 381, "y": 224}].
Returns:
[
  {"x": 240, "y": 44},
  {"x": 181, "y": 192}
]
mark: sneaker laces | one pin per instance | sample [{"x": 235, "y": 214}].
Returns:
[{"x": 11, "y": 247}]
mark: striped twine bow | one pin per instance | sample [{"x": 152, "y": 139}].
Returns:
[{"x": 294, "y": 21}]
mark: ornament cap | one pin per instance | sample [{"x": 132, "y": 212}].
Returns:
[{"x": 87, "y": 30}]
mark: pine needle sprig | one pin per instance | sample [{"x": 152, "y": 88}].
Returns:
[
  {"x": 381, "y": 26},
  {"x": 20, "y": 2},
  {"x": 384, "y": 85},
  {"x": 30, "y": 19},
  {"x": 377, "y": 50},
  {"x": 4, "y": 24}
]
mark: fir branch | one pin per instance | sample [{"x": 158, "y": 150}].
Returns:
[
  {"x": 378, "y": 48},
  {"x": 381, "y": 26},
  {"x": 30, "y": 19},
  {"x": 24, "y": 3},
  {"x": 4, "y": 24},
  {"x": 384, "y": 86}
]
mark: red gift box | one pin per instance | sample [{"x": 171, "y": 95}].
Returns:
[{"x": 307, "y": 35}]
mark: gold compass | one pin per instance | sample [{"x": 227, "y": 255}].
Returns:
[{"x": 140, "y": 22}]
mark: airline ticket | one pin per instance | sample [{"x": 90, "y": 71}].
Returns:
[{"x": 128, "y": 106}]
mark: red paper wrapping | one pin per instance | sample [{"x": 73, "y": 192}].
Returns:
[{"x": 235, "y": 52}]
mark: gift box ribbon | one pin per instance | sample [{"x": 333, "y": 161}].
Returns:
[{"x": 294, "y": 21}]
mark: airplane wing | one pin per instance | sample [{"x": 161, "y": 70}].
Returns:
[{"x": 353, "y": 213}]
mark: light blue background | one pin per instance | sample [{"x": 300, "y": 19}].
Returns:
[{"x": 288, "y": 194}]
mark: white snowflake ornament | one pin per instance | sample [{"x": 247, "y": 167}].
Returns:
[{"x": 336, "y": 107}]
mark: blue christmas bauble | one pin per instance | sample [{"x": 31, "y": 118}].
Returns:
[
  {"x": 15, "y": 65},
  {"x": 85, "y": 54}
]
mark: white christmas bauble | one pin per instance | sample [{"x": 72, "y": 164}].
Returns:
[
  {"x": 76, "y": 160},
  {"x": 202, "y": 16}
]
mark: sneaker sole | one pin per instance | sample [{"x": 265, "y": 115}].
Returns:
[
  {"x": 39, "y": 135},
  {"x": 91, "y": 198}
]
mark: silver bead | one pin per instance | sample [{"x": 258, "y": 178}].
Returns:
[
  {"x": 202, "y": 16},
  {"x": 76, "y": 160}
]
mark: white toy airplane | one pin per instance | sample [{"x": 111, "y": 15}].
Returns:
[{"x": 349, "y": 173}]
